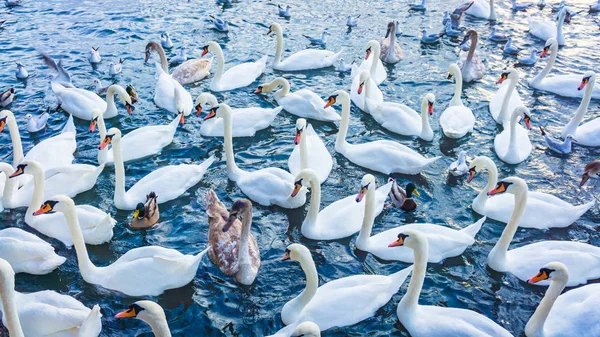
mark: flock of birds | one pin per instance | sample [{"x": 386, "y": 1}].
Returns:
[{"x": 45, "y": 180}]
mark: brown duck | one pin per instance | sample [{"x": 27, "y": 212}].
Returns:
[
  {"x": 401, "y": 198},
  {"x": 146, "y": 215}
]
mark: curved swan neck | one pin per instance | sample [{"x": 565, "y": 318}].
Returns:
[
  {"x": 285, "y": 87},
  {"x": 410, "y": 301},
  {"x": 312, "y": 282},
  {"x": 280, "y": 45},
  {"x": 9, "y": 308},
  {"x": 553, "y": 54},
  {"x": 456, "y": 101},
  {"x": 119, "y": 169},
  {"x": 10, "y": 185},
  {"x": 161, "y": 54},
  {"x": 471, "y": 53},
  {"x": 512, "y": 144},
  {"x": 362, "y": 240},
  {"x": 492, "y": 11},
  {"x": 571, "y": 127},
  {"x": 221, "y": 66},
  {"x": 375, "y": 56},
  {"x": 303, "y": 150},
  {"x": 535, "y": 325},
  {"x": 102, "y": 154},
  {"x": 159, "y": 327},
  {"x": 340, "y": 140},
  {"x": 497, "y": 256},
  {"x": 39, "y": 184},
  {"x": 426, "y": 130},
  {"x": 83, "y": 260},
  {"x": 244, "y": 249},
  {"x": 503, "y": 115},
  {"x": 15, "y": 137},
  {"x": 481, "y": 199},
  {"x": 233, "y": 171},
  {"x": 111, "y": 107},
  {"x": 315, "y": 200}
]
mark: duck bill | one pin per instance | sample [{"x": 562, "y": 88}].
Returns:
[
  {"x": 43, "y": 210},
  {"x": 416, "y": 192},
  {"x": 584, "y": 178},
  {"x": 17, "y": 172},
  {"x": 472, "y": 174},
  {"x": 198, "y": 110},
  {"x": 361, "y": 194},
  {"x": 126, "y": 314},
  {"x": 297, "y": 187},
  {"x": 136, "y": 213},
  {"x": 397, "y": 243},
  {"x": 93, "y": 125},
  {"x": 298, "y": 137}
]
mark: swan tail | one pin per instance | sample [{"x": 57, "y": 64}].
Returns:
[
  {"x": 430, "y": 161},
  {"x": 581, "y": 209},
  {"x": 92, "y": 326},
  {"x": 474, "y": 228},
  {"x": 206, "y": 164},
  {"x": 336, "y": 57},
  {"x": 70, "y": 126},
  {"x": 398, "y": 278},
  {"x": 202, "y": 253}
]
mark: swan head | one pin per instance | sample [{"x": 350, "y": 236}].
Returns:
[
  {"x": 562, "y": 14},
  {"x": 203, "y": 99},
  {"x": 522, "y": 111},
  {"x": 391, "y": 29},
  {"x": 275, "y": 28},
  {"x": 305, "y": 176},
  {"x": 211, "y": 47},
  {"x": 551, "y": 45},
  {"x": 453, "y": 70},
  {"x": 123, "y": 96},
  {"x": 336, "y": 96},
  {"x": 553, "y": 271},
  {"x": 5, "y": 116},
  {"x": 471, "y": 34},
  {"x": 307, "y": 329},
  {"x": 220, "y": 111},
  {"x": 96, "y": 113},
  {"x": 27, "y": 167},
  {"x": 372, "y": 46},
  {"x": 146, "y": 311},
  {"x": 511, "y": 74},
  {"x": 587, "y": 78},
  {"x": 409, "y": 238},
  {"x": 512, "y": 185},
  {"x": 240, "y": 208},
  {"x": 362, "y": 79},
  {"x": 300, "y": 127},
  {"x": 428, "y": 103},
  {"x": 296, "y": 252},
  {"x": 479, "y": 164},
  {"x": 58, "y": 203},
  {"x": 268, "y": 87},
  {"x": 111, "y": 135},
  {"x": 367, "y": 183},
  {"x": 591, "y": 169},
  {"x": 151, "y": 46}
]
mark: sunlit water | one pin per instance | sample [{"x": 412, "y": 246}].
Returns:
[{"x": 214, "y": 305}]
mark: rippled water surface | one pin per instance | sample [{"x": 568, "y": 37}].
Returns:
[{"x": 213, "y": 305}]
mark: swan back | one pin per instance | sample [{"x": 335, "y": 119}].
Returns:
[{"x": 307, "y": 329}]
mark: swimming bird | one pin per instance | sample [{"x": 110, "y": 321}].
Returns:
[
  {"x": 450, "y": 31},
  {"x": 165, "y": 40},
  {"x": 343, "y": 68},
  {"x": 557, "y": 7},
  {"x": 531, "y": 59},
  {"x": 401, "y": 198},
  {"x": 595, "y": 8},
  {"x": 398, "y": 31},
  {"x": 562, "y": 147},
  {"x": 510, "y": 49},
  {"x": 150, "y": 313},
  {"x": 318, "y": 40},
  {"x": 12, "y": 3},
  {"x": 37, "y": 123},
  {"x": 146, "y": 214},
  {"x": 220, "y": 24},
  {"x": 99, "y": 87},
  {"x": 418, "y": 7},
  {"x": 284, "y": 12},
  {"x": 181, "y": 56},
  {"x": 497, "y": 37},
  {"x": 62, "y": 77},
  {"x": 132, "y": 93},
  {"x": 446, "y": 18},
  {"x": 591, "y": 170},
  {"x": 94, "y": 56},
  {"x": 541, "y": 4},
  {"x": 352, "y": 22},
  {"x": 115, "y": 69},
  {"x": 21, "y": 72},
  {"x": 460, "y": 166},
  {"x": 430, "y": 38},
  {"x": 7, "y": 97},
  {"x": 521, "y": 6},
  {"x": 456, "y": 16}
]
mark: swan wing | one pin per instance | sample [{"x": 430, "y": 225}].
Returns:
[
  {"x": 457, "y": 121},
  {"x": 319, "y": 158},
  {"x": 242, "y": 75},
  {"x": 307, "y": 59},
  {"x": 574, "y": 312},
  {"x": 192, "y": 71}
]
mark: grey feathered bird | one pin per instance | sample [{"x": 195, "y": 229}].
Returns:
[{"x": 563, "y": 147}]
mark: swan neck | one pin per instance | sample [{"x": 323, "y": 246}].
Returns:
[
  {"x": 535, "y": 325},
  {"x": 119, "y": 169},
  {"x": 315, "y": 201},
  {"x": 312, "y": 282},
  {"x": 111, "y": 108},
  {"x": 303, "y": 150},
  {"x": 160, "y": 327},
  {"x": 9, "y": 309},
  {"x": 585, "y": 101},
  {"x": 540, "y": 77},
  {"x": 512, "y": 145},
  {"x": 10, "y": 187},
  {"x": 279, "y": 49},
  {"x": 163, "y": 57},
  {"x": 102, "y": 131},
  {"x": 221, "y": 66},
  {"x": 340, "y": 141},
  {"x": 503, "y": 115},
  {"x": 471, "y": 53},
  {"x": 39, "y": 185},
  {"x": 497, "y": 256},
  {"x": 367, "y": 226},
  {"x": 456, "y": 101},
  {"x": 83, "y": 260},
  {"x": 285, "y": 87},
  {"x": 410, "y": 301},
  {"x": 492, "y": 11},
  {"x": 233, "y": 170},
  {"x": 426, "y": 130},
  {"x": 482, "y": 197},
  {"x": 374, "y": 63},
  {"x": 244, "y": 249},
  {"x": 15, "y": 137}
]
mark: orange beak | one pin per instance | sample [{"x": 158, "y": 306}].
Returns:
[
  {"x": 430, "y": 108},
  {"x": 583, "y": 83},
  {"x": 198, "y": 110},
  {"x": 2, "y": 123},
  {"x": 361, "y": 193},
  {"x": 544, "y": 52},
  {"x": 297, "y": 138},
  {"x": 258, "y": 90},
  {"x": 497, "y": 190},
  {"x": 297, "y": 187},
  {"x": 17, "y": 173},
  {"x": 44, "y": 209},
  {"x": 286, "y": 256},
  {"x": 360, "y": 88},
  {"x": 104, "y": 143},
  {"x": 472, "y": 174},
  {"x": 204, "y": 51},
  {"x": 527, "y": 122},
  {"x": 368, "y": 53},
  {"x": 210, "y": 115},
  {"x": 330, "y": 102},
  {"x": 130, "y": 313},
  {"x": 397, "y": 243},
  {"x": 541, "y": 276},
  {"x": 129, "y": 108},
  {"x": 182, "y": 119},
  {"x": 93, "y": 125},
  {"x": 502, "y": 79}
]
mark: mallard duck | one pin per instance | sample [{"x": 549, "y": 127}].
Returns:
[
  {"x": 403, "y": 199},
  {"x": 132, "y": 93},
  {"x": 232, "y": 247},
  {"x": 146, "y": 215},
  {"x": 7, "y": 97}
]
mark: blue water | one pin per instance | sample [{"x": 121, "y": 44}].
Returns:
[{"x": 214, "y": 305}]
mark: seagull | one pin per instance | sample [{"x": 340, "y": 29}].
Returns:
[
  {"x": 460, "y": 166},
  {"x": 284, "y": 12},
  {"x": 21, "y": 72},
  {"x": 398, "y": 32},
  {"x": 497, "y": 37},
  {"x": 541, "y": 4},
  {"x": 430, "y": 38},
  {"x": 522, "y": 6},
  {"x": 318, "y": 40},
  {"x": 94, "y": 56},
  {"x": 446, "y": 18},
  {"x": 63, "y": 76},
  {"x": 531, "y": 59},
  {"x": 456, "y": 16},
  {"x": 419, "y": 7},
  {"x": 451, "y": 31},
  {"x": 37, "y": 123},
  {"x": 115, "y": 69},
  {"x": 181, "y": 56},
  {"x": 165, "y": 40},
  {"x": 595, "y": 8},
  {"x": 510, "y": 49},
  {"x": 220, "y": 24},
  {"x": 343, "y": 68},
  {"x": 99, "y": 88},
  {"x": 558, "y": 146},
  {"x": 352, "y": 22}
]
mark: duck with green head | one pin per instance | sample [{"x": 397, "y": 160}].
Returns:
[
  {"x": 401, "y": 198},
  {"x": 146, "y": 214}
]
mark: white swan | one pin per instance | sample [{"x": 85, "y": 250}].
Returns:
[
  {"x": 168, "y": 182},
  {"x": 338, "y": 303},
  {"x": 309, "y": 152},
  {"x": 563, "y": 85},
  {"x": 162, "y": 268},
  {"x": 555, "y": 211},
  {"x": 268, "y": 186},
  {"x": 151, "y": 313},
  {"x": 97, "y": 226},
  {"x": 587, "y": 134},
  {"x": 457, "y": 120},
  {"x": 470, "y": 64},
  {"x": 246, "y": 121},
  {"x": 512, "y": 145},
  {"x": 572, "y": 314},
  {"x": 80, "y": 103},
  {"x": 303, "y": 60},
  {"x": 167, "y": 86},
  {"x": 44, "y": 313},
  {"x": 238, "y": 76},
  {"x": 139, "y": 143},
  {"x": 339, "y": 219},
  {"x": 507, "y": 97},
  {"x": 446, "y": 242},
  {"x": 549, "y": 30},
  {"x": 384, "y": 156},
  {"x": 27, "y": 253},
  {"x": 372, "y": 63},
  {"x": 189, "y": 72},
  {"x": 364, "y": 92},
  {"x": 430, "y": 320},
  {"x": 583, "y": 260},
  {"x": 302, "y": 103},
  {"x": 483, "y": 9}
]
